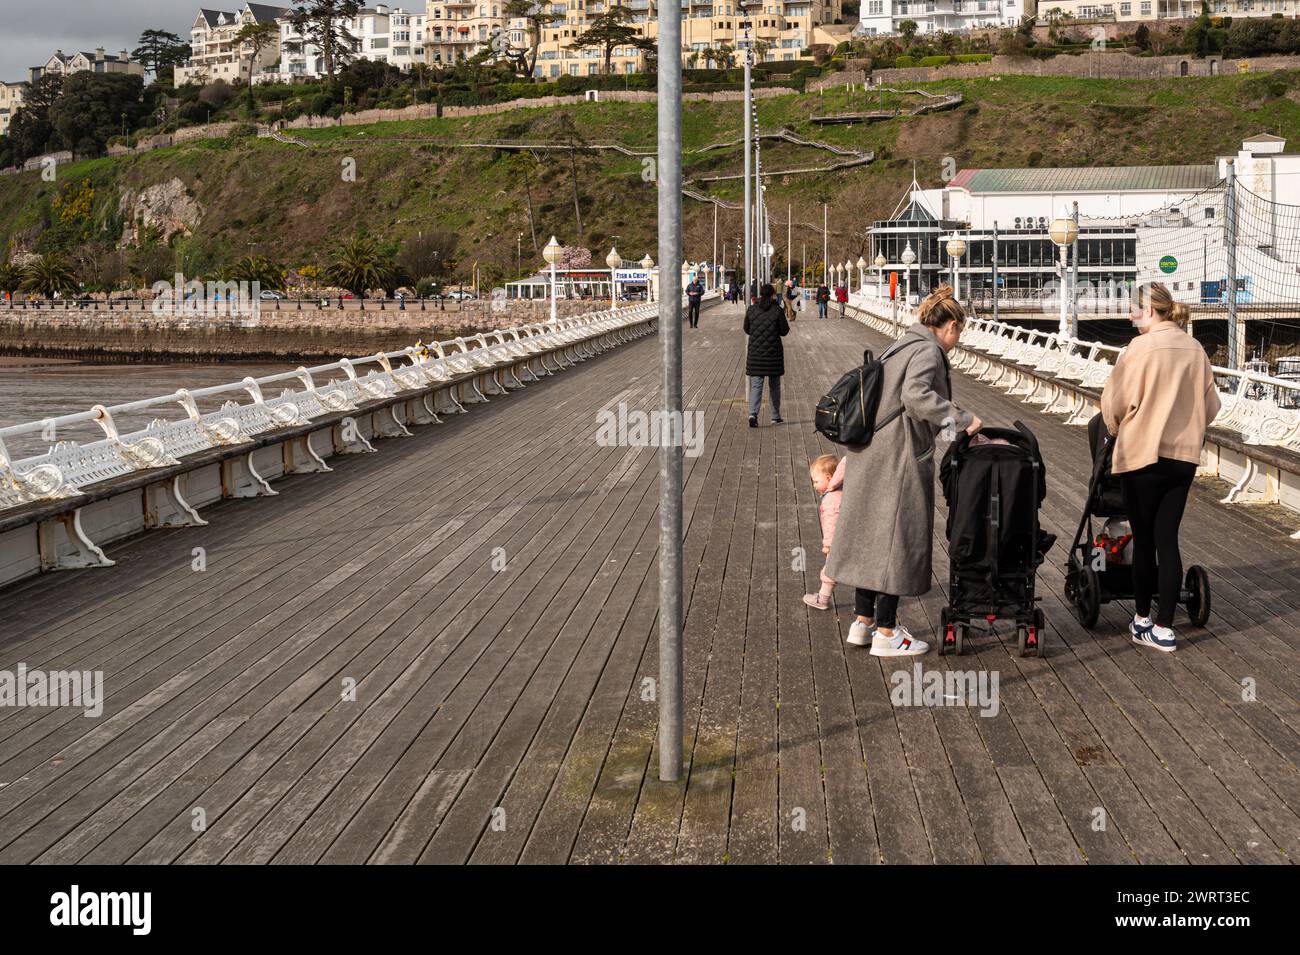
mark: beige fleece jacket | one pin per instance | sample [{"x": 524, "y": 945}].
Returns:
[{"x": 1159, "y": 399}]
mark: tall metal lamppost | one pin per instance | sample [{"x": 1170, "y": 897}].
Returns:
[
  {"x": 907, "y": 258},
  {"x": 956, "y": 249},
  {"x": 1063, "y": 232},
  {"x": 615, "y": 262},
  {"x": 551, "y": 253}
]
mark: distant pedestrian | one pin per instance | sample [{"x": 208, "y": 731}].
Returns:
[
  {"x": 694, "y": 294},
  {"x": 765, "y": 325},
  {"x": 827, "y": 474},
  {"x": 842, "y": 296},
  {"x": 823, "y": 297},
  {"x": 790, "y": 299}
]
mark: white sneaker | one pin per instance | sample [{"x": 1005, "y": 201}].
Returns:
[
  {"x": 859, "y": 634},
  {"x": 900, "y": 644}
]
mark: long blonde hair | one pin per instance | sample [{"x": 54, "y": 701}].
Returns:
[{"x": 1163, "y": 304}]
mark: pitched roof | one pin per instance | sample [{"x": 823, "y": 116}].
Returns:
[
  {"x": 212, "y": 16},
  {"x": 263, "y": 12},
  {"x": 1088, "y": 179}
]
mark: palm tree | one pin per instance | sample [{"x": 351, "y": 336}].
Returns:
[
  {"x": 907, "y": 28},
  {"x": 256, "y": 268},
  {"x": 360, "y": 264},
  {"x": 11, "y": 277},
  {"x": 47, "y": 274}
]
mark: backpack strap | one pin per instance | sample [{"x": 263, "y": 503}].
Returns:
[{"x": 897, "y": 412}]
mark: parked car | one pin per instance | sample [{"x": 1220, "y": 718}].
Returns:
[{"x": 270, "y": 294}]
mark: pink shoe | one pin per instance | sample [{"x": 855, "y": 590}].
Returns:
[{"x": 817, "y": 601}]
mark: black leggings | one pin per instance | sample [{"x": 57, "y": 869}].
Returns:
[
  {"x": 882, "y": 607},
  {"x": 1155, "y": 497}
]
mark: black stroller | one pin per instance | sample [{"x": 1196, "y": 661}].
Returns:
[
  {"x": 994, "y": 483},
  {"x": 1099, "y": 567}
]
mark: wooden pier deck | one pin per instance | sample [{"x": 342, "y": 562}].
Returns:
[{"x": 355, "y": 678}]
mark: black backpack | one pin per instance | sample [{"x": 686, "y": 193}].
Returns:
[{"x": 847, "y": 413}]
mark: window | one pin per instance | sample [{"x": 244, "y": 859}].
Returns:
[{"x": 1146, "y": 8}]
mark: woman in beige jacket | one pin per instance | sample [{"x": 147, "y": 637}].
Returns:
[{"x": 1158, "y": 402}]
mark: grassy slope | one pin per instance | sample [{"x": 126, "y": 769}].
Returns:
[{"x": 293, "y": 204}]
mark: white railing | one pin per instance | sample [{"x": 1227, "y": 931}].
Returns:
[
  {"x": 1262, "y": 409},
  {"x": 1058, "y": 373},
  {"x": 495, "y": 359}
]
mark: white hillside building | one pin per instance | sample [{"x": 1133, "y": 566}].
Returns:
[{"x": 879, "y": 17}]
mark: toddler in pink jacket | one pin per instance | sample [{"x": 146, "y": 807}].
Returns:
[{"x": 827, "y": 474}]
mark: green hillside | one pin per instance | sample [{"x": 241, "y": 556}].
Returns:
[{"x": 293, "y": 204}]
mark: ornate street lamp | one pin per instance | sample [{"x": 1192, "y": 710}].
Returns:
[
  {"x": 907, "y": 258},
  {"x": 1063, "y": 232},
  {"x": 647, "y": 263},
  {"x": 551, "y": 253},
  {"x": 880, "y": 276},
  {"x": 956, "y": 249},
  {"x": 615, "y": 262}
]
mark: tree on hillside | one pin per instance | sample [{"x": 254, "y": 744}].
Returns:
[
  {"x": 30, "y": 129},
  {"x": 322, "y": 24},
  {"x": 610, "y": 30},
  {"x": 255, "y": 268},
  {"x": 47, "y": 274},
  {"x": 256, "y": 37},
  {"x": 537, "y": 18},
  {"x": 359, "y": 264},
  {"x": 907, "y": 29},
  {"x": 429, "y": 254},
  {"x": 571, "y": 135},
  {"x": 523, "y": 162},
  {"x": 161, "y": 52},
  {"x": 95, "y": 107},
  {"x": 11, "y": 278}
]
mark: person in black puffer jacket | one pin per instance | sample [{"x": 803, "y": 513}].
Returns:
[{"x": 766, "y": 325}]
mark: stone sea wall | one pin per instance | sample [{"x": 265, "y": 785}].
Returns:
[{"x": 312, "y": 334}]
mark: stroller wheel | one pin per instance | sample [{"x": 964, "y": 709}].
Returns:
[
  {"x": 1087, "y": 597},
  {"x": 1033, "y": 636},
  {"x": 949, "y": 634},
  {"x": 1197, "y": 585}
]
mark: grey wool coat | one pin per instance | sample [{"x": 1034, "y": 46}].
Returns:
[{"x": 883, "y": 540}]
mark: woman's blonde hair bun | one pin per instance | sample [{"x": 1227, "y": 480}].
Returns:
[{"x": 939, "y": 308}]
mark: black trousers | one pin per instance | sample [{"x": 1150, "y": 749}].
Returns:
[
  {"x": 1155, "y": 497},
  {"x": 693, "y": 312},
  {"x": 882, "y": 607}
]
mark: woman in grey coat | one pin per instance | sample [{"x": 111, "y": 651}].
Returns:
[{"x": 883, "y": 540}]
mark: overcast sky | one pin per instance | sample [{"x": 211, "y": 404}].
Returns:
[{"x": 30, "y": 30}]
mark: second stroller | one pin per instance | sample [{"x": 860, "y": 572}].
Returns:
[{"x": 994, "y": 483}]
